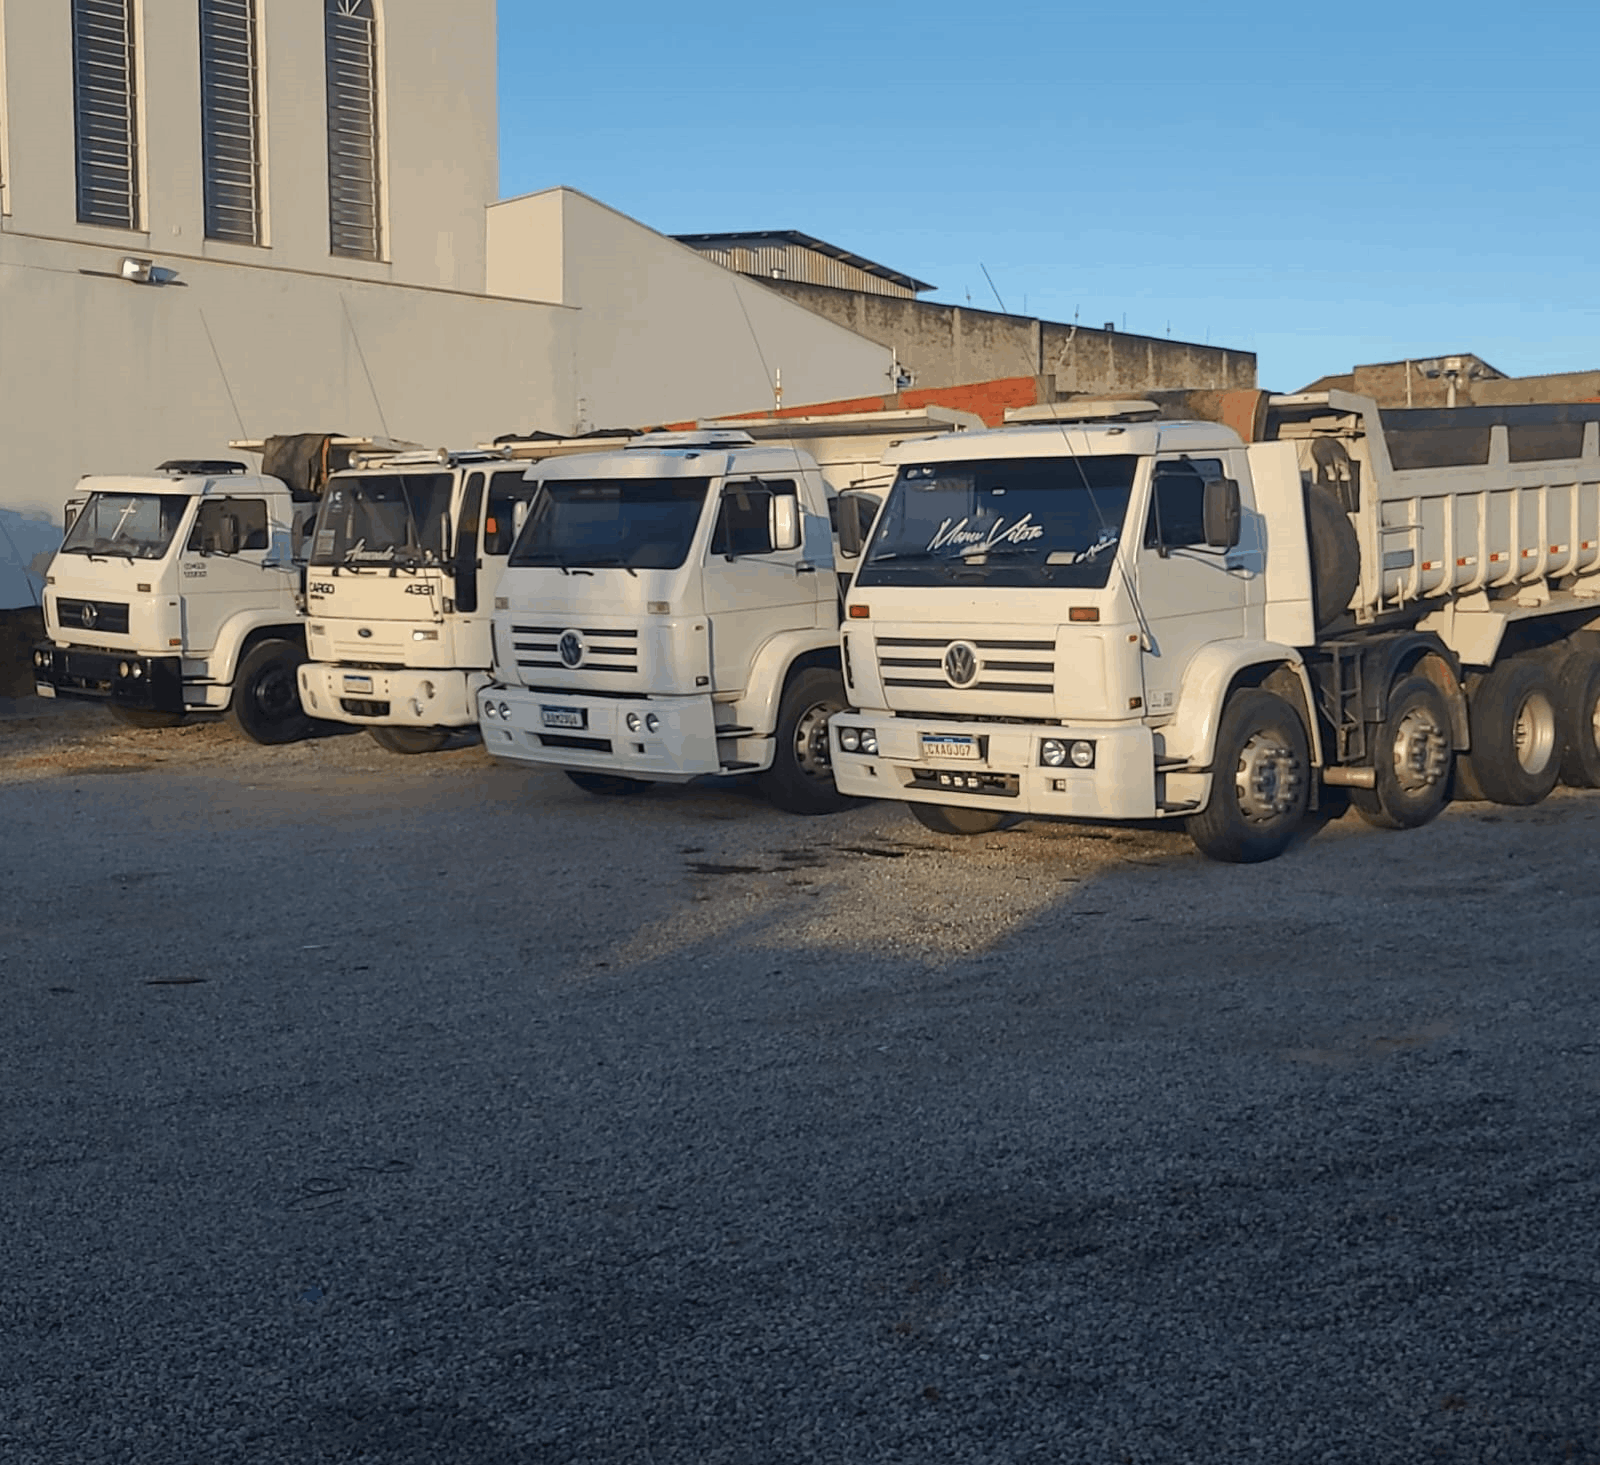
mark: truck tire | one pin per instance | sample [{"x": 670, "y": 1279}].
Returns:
[
  {"x": 1260, "y": 781},
  {"x": 1515, "y": 756},
  {"x": 1411, "y": 758},
  {"x": 1335, "y": 555},
  {"x": 266, "y": 700},
  {"x": 608, "y": 785},
  {"x": 1578, "y": 707},
  {"x": 410, "y": 739},
  {"x": 955, "y": 819},
  {"x": 144, "y": 716},
  {"x": 800, "y": 780}
]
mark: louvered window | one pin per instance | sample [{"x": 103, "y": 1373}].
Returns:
[
  {"x": 230, "y": 120},
  {"x": 352, "y": 49},
  {"x": 103, "y": 92}
]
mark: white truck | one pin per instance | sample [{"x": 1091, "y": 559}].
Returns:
[
  {"x": 671, "y": 610},
  {"x": 1118, "y": 616},
  {"x": 406, "y": 553},
  {"x": 179, "y": 591}
]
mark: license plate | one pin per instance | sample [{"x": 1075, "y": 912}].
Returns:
[
  {"x": 949, "y": 745},
  {"x": 564, "y": 717},
  {"x": 358, "y": 684}
]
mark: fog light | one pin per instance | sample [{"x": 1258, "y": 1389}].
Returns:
[
  {"x": 38, "y": 658},
  {"x": 424, "y": 635},
  {"x": 1052, "y": 752},
  {"x": 505, "y": 711},
  {"x": 122, "y": 668},
  {"x": 1082, "y": 754},
  {"x": 869, "y": 740},
  {"x": 416, "y": 706},
  {"x": 138, "y": 670},
  {"x": 488, "y": 710},
  {"x": 427, "y": 690},
  {"x": 633, "y": 722},
  {"x": 652, "y": 722},
  {"x": 849, "y": 740}
]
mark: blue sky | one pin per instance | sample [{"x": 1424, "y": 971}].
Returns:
[{"x": 1321, "y": 186}]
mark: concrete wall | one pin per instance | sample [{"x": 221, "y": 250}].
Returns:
[
  {"x": 662, "y": 333},
  {"x": 437, "y": 136},
  {"x": 943, "y": 345},
  {"x": 1403, "y": 384},
  {"x": 101, "y": 375}
]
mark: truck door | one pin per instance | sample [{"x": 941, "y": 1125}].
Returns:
[
  {"x": 223, "y": 569},
  {"x": 1191, "y": 595},
  {"x": 752, "y": 591}
]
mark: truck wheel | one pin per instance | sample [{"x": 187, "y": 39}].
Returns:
[
  {"x": 410, "y": 739},
  {"x": 954, "y": 819},
  {"x": 1260, "y": 781},
  {"x": 266, "y": 701},
  {"x": 1516, "y": 745},
  {"x": 1411, "y": 757},
  {"x": 144, "y": 716},
  {"x": 609, "y": 785},
  {"x": 1578, "y": 707},
  {"x": 1335, "y": 555},
  {"x": 800, "y": 780}
]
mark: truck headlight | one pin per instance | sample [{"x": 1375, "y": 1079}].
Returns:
[
  {"x": 869, "y": 740},
  {"x": 1082, "y": 753},
  {"x": 505, "y": 712},
  {"x": 849, "y": 740},
  {"x": 652, "y": 723},
  {"x": 633, "y": 722},
  {"x": 488, "y": 709},
  {"x": 122, "y": 668}
]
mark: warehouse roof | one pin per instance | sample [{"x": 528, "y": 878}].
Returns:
[{"x": 752, "y": 237}]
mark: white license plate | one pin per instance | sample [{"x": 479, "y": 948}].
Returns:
[
  {"x": 358, "y": 684},
  {"x": 564, "y": 717},
  {"x": 949, "y": 745}
]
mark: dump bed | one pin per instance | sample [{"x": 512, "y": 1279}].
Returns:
[{"x": 1498, "y": 502}]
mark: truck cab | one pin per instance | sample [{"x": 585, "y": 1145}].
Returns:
[
  {"x": 671, "y": 610},
  {"x": 405, "y": 558},
  {"x": 177, "y": 592}
]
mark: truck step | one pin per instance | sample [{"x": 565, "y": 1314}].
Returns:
[
  {"x": 1184, "y": 806},
  {"x": 739, "y": 767},
  {"x": 1169, "y": 765},
  {"x": 736, "y": 732}
]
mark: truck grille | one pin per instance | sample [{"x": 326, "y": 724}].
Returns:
[
  {"x": 109, "y": 616},
  {"x": 546, "y": 648},
  {"x": 1003, "y": 665}
]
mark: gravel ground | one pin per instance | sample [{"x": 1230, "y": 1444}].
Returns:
[{"x": 423, "y": 1109}]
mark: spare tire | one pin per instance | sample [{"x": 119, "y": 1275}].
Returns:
[{"x": 1335, "y": 555}]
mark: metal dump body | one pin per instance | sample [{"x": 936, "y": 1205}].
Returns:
[{"x": 1501, "y": 503}]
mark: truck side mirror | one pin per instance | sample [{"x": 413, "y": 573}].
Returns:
[
  {"x": 1221, "y": 513},
  {"x": 854, "y": 513},
  {"x": 783, "y": 521}
]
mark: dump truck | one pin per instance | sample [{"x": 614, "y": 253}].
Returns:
[
  {"x": 670, "y": 610},
  {"x": 180, "y": 591},
  {"x": 1229, "y": 610},
  {"x": 406, "y": 554}
]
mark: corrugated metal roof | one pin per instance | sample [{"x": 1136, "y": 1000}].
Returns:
[{"x": 757, "y": 239}]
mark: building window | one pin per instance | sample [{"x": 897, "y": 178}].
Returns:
[
  {"x": 106, "y": 106},
  {"x": 230, "y": 120},
  {"x": 351, "y": 30}
]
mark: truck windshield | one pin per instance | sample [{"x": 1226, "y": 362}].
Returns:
[
  {"x": 1016, "y": 521},
  {"x": 383, "y": 519},
  {"x": 634, "y": 523},
  {"x": 138, "y": 525}
]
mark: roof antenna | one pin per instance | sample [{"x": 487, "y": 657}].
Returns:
[{"x": 990, "y": 278}]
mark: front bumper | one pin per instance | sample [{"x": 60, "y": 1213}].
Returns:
[
  {"x": 1005, "y": 773},
  {"x": 391, "y": 696},
  {"x": 563, "y": 730},
  {"x": 153, "y": 683}
]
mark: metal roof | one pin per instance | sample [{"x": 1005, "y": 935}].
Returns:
[{"x": 808, "y": 241}]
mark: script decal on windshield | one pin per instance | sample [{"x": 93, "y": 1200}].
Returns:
[{"x": 959, "y": 536}]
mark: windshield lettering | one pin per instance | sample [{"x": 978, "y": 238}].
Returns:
[
  {"x": 383, "y": 519},
  {"x": 998, "y": 533}
]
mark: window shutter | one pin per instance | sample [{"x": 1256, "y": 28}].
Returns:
[
  {"x": 352, "y": 59},
  {"x": 103, "y": 97},
  {"x": 230, "y": 120}
]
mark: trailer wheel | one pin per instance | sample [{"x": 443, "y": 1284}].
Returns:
[
  {"x": 800, "y": 780},
  {"x": 1260, "y": 781},
  {"x": 1411, "y": 758},
  {"x": 144, "y": 716},
  {"x": 266, "y": 700},
  {"x": 410, "y": 739},
  {"x": 1578, "y": 706},
  {"x": 1515, "y": 756},
  {"x": 955, "y": 819},
  {"x": 608, "y": 785}
]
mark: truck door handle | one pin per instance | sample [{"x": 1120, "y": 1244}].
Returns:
[{"x": 805, "y": 567}]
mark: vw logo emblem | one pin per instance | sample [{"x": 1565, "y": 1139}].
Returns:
[
  {"x": 570, "y": 648},
  {"x": 961, "y": 663},
  {"x": 88, "y": 615}
]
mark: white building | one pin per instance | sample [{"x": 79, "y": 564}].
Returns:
[{"x": 228, "y": 218}]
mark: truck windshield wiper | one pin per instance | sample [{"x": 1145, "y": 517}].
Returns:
[{"x": 615, "y": 562}]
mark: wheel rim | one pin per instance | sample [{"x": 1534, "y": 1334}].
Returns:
[
  {"x": 1421, "y": 752},
  {"x": 276, "y": 696},
  {"x": 811, "y": 754},
  {"x": 1534, "y": 732},
  {"x": 1269, "y": 777}
]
